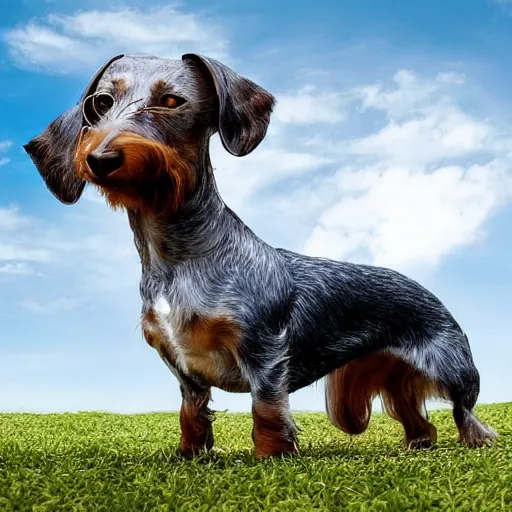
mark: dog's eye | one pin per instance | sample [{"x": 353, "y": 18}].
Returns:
[
  {"x": 171, "y": 101},
  {"x": 96, "y": 106},
  {"x": 103, "y": 103}
]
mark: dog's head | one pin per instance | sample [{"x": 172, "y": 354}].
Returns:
[{"x": 140, "y": 125}]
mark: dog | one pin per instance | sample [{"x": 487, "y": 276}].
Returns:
[{"x": 224, "y": 309}]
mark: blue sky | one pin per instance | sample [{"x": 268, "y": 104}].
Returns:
[{"x": 391, "y": 144}]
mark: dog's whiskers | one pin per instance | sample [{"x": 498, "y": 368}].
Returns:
[{"x": 129, "y": 105}]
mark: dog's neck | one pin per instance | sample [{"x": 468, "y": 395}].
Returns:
[{"x": 200, "y": 229}]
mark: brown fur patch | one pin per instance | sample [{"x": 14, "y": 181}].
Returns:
[
  {"x": 212, "y": 352},
  {"x": 151, "y": 329},
  {"x": 196, "y": 425},
  {"x": 271, "y": 433},
  {"x": 120, "y": 86},
  {"x": 351, "y": 389},
  {"x": 214, "y": 333},
  {"x": 154, "y": 178},
  {"x": 151, "y": 338},
  {"x": 210, "y": 348},
  {"x": 88, "y": 141},
  {"x": 154, "y": 337},
  {"x": 159, "y": 87},
  {"x": 403, "y": 397}
]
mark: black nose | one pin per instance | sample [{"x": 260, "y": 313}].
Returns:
[{"x": 104, "y": 163}]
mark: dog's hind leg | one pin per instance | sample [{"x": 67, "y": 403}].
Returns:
[
  {"x": 462, "y": 382},
  {"x": 405, "y": 378},
  {"x": 448, "y": 364},
  {"x": 403, "y": 397}
]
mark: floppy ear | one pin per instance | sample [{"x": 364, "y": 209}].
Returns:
[
  {"x": 244, "y": 107},
  {"x": 52, "y": 151}
]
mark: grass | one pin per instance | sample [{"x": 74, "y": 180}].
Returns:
[{"x": 108, "y": 462}]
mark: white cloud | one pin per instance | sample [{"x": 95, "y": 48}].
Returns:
[
  {"x": 310, "y": 106},
  {"x": 418, "y": 187},
  {"x": 11, "y": 219},
  {"x": 405, "y": 218},
  {"x": 17, "y": 242},
  {"x": 90, "y": 248},
  {"x": 18, "y": 268},
  {"x": 240, "y": 179},
  {"x": 69, "y": 44},
  {"x": 47, "y": 308},
  {"x": 20, "y": 246},
  {"x": 437, "y": 132},
  {"x": 22, "y": 252},
  {"x": 4, "y": 147},
  {"x": 451, "y": 77}
]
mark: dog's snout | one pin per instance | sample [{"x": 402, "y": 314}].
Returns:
[{"x": 104, "y": 163}]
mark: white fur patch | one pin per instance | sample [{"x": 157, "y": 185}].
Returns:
[
  {"x": 169, "y": 322},
  {"x": 162, "y": 306}
]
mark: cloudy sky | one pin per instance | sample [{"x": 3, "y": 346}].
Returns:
[{"x": 391, "y": 144}]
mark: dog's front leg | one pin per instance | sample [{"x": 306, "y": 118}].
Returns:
[
  {"x": 195, "y": 420},
  {"x": 274, "y": 432}
]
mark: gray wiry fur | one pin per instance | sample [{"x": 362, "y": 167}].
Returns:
[{"x": 300, "y": 318}]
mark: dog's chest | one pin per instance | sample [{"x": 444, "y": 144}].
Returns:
[{"x": 203, "y": 345}]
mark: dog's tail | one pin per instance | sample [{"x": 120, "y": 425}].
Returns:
[{"x": 350, "y": 391}]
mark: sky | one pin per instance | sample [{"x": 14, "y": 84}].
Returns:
[{"x": 391, "y": 144}]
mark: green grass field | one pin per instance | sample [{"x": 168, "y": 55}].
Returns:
[{"x": 93, "y": 461}]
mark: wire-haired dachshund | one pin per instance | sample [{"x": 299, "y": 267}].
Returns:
[{"x": 223, "y": 308}]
